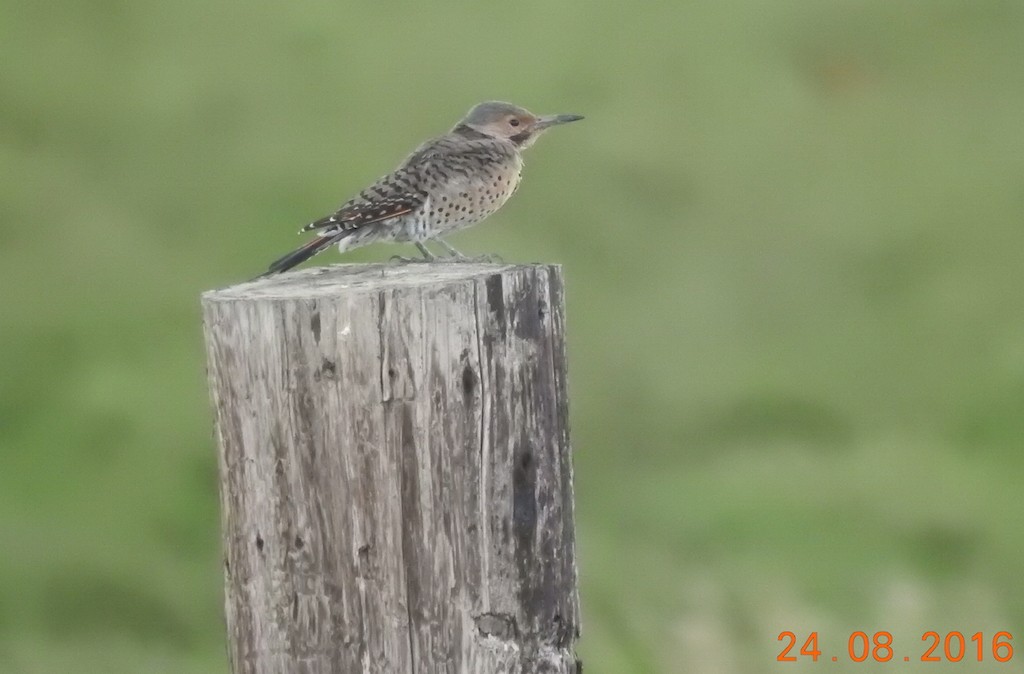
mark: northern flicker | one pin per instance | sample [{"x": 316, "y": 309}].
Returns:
[{"x": 449, "y": 183}]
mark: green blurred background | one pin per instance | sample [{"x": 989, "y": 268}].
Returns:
[{"x": 792, "y": 233}]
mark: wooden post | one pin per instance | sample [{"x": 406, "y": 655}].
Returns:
[{"x": 395, "y": 471}]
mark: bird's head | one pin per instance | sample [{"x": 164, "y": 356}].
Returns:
[{"x": 512, "y": 123}]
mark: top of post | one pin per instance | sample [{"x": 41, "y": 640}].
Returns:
[{"x": 342, "y": 278}]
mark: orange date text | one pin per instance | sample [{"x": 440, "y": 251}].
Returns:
[{"x": 880, "y": 647}]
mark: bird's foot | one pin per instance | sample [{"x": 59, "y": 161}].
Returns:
[
  {"x": 398, "y": 259},
  {"x": 456, "y": 256},
  {"x": 482, "y": 259}
]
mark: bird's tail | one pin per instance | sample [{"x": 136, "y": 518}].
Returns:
[{"x": 300, "y": 255}]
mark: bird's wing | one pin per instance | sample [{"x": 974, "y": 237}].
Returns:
[
  {"x": 391, "y": 196},
  {"x": 401, "y": 192}
]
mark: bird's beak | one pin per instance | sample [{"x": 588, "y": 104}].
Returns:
[{"x": 552, "y": 120}]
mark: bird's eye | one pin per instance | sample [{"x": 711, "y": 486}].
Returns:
[{"x": 513, "y": 122}]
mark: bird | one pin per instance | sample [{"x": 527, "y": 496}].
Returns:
[{"x": 448, "y": 183}]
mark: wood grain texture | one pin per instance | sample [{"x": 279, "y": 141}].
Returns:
[{"x": 396, "y": 475}]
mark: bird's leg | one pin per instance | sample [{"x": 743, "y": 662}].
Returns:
[
  {"x": 427, "y": 255},
  {"x": 454, "y": 254}
]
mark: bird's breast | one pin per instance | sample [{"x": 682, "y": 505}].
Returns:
[{"x": 463, "y": 198}]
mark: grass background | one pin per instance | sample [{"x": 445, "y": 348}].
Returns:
[{"x": 792, "y": 234}]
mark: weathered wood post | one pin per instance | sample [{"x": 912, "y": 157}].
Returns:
[{"x": 396, "y": 478}]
